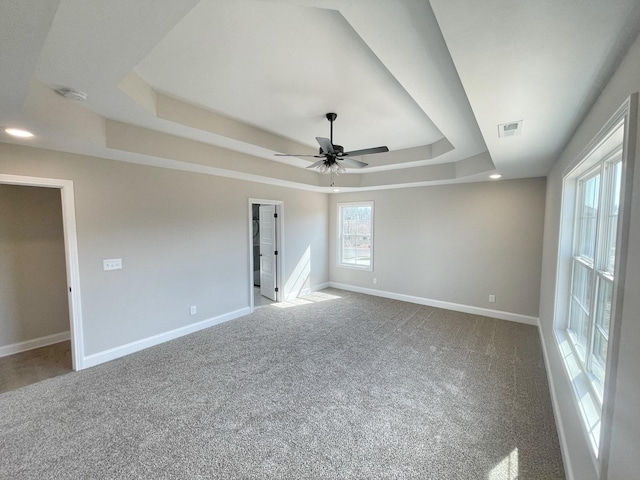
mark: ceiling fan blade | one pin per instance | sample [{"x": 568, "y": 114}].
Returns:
[
  {"x": 325, "y": 144},
  {"x": 366, "y": 151},
  {"x": 352, "y": 162},
  {"x": 317, "y": 164}
]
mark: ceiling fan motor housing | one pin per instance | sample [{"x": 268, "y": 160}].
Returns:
[{"x": 338, "y": 149}]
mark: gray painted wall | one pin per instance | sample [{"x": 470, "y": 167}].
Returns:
[
  {"x": 454, "y": 243},
  {"x": 625, "y": 439},
  {"x": 183, "y": 239},
  {"x": 33, "y": 282}
]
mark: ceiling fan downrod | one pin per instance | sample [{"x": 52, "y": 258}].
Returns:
[{"x": 331, "y": 117}]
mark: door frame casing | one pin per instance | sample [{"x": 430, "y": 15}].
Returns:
[
  {"x": 267, "y": 219},
  {"x": 279, "y": 263},
  {"x": 71, "y": 255}
]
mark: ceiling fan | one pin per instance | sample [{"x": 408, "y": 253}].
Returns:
[{"x": 333, "y": 156}]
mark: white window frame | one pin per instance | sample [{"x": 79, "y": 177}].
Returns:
[
  {"x": 339, "y": 249},
  {"x": 594, "y": 402},
  {"x": 593, "y": 368}
]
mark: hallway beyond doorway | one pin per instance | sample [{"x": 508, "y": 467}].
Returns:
[
  {"x": 259, "y": 300},
  {"x": 32, "y": 366}
]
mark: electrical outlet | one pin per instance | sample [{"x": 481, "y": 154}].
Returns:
[
  {"x": 193, "y": 310},
  {"x": 375, "y": 281},
  {"x": 492, "y": 299},
  {"x": 112, "y": 264}
]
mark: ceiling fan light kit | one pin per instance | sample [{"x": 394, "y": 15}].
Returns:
[
  {"x": 335, "y": 168},
  {"x": 333, "y": 157}
]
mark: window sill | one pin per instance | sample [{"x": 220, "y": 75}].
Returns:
[
  {"x": 365, "y": 268},
  {"x": 585, "y": 400}
]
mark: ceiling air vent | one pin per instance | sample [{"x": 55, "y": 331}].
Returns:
[
  {"x": 510, "y": 129},
  {"x": 71, "y": 93}
]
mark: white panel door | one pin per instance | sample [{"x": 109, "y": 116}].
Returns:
[{"x": 267, "y": 251}]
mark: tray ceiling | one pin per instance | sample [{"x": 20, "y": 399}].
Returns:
[{"x": 219, "y": 87}]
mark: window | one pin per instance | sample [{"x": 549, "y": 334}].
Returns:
[
  {"x": 355, "y": 235},
  {"x": 592, "y": 248},
  {"x": 593, "y": 259}
]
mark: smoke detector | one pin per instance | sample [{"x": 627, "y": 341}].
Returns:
[
  {"x": 71, "y": 93},
  {"x": 511, "y": 129}
]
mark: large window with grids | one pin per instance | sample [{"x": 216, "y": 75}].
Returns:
[
  {"x": 355, "y": 235},
  {"x": 592, "y": 254},
  {"x": 593, "y": 260}
]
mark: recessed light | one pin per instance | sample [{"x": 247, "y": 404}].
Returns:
[
  {"x": 18, "y": 132},
  {"x": 495, "y": 176},
  {"x": 336, "y": 189}
]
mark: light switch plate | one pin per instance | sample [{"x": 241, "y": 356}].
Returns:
[{"x": 112, "y": 264}]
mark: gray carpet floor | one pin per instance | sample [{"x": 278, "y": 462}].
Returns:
[{"x": 335, "y": 385}]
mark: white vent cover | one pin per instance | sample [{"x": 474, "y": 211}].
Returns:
[
  {"x": 510, "y": 129},
  {"x": 71, "y": 93}
]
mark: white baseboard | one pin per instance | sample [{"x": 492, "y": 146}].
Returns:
[
  {"x": 34, "y": 343},
  {"x": 129, "y": 348},
  {"x": 513, "y": 317},
  {"x": 306, "y": 291},
  {"x": 293, "y": 295},
  {"x": 564, "y": 448},
  {"x": 322, "y": 286}
]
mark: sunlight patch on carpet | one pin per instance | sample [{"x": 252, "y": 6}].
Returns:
[
  {"x": 307, "y": 300},
  {"x": 507, "y": 469}
]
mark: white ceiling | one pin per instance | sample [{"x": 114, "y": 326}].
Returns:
[{"x": 220, "y": 86}]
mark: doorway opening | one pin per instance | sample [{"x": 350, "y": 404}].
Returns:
[
  {"x": 265, "y": 251},
  {"x": 70, "y": 275}
]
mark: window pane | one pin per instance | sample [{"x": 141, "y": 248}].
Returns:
[
  {"x": 356, "y": 250},
  {"x": 362, "y": 250},
  {"x": 603, "y": 304},
  {"x": 581, "y": 288},
  {"x": 602, "y": 319},
  {"x": 348, "y": 253},
  {"x": 579, "y": 305},
  {"x": 600, "y": 345},
  {"x": 609, "y": 246},
  {"x": 577, "y": 326},
  {"x": 600, "y": 348},
  {"x": 356, "y": 220},
  {"x": 588, "y": 217}
]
